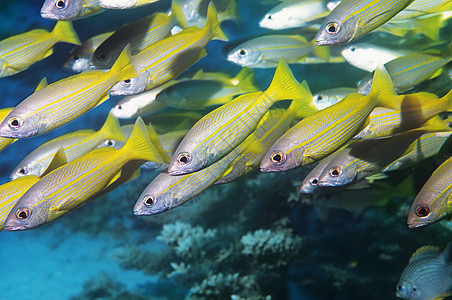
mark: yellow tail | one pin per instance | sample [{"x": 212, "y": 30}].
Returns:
[
  {"x": 382, "y": 89},
  {"x": 321, "y": 51},
  {"x": 111, "y": 130},
  {"x": 123, "y": 66},
  {"x": 178, "y": 14},
  {"x": 139, "y": 146},
  {"x": 245, "y": 79},
  {"x": 64, "y": 32},
  {"x": 213, "y": 25},
  {"x": 285, "y": 86}
]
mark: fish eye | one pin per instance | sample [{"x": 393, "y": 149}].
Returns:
[
  {"x": 127, "y": 82},
  {"x": 269, "y": 17},
  {"x": 149, "y": 200},
  {"x": 183, "y": 158},
  {"x": 242, "y": 52},
  {"x": 22, "y": 213},
  {"x": 319, "y": 97},
  {"x": 14, "y": 123},
  {"x": 109, "y": 143},
  {"x": 332, "y": 28},
  {"x": 335, "y": 172},
  {"x": 102, "y": 56},
  {"x": 119, "y": 107},
  {"x": 422, "y": 211},
  {"x": 60, "y": 4},
  {"x": 400, "y": 287},
  {"x": 314, "y": 181},
  {"x": 278, "y": 157},
  {"x": 353, "y": 49},
  {"x": 22, "y": 170}
]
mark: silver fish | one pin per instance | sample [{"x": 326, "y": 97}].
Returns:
[{"x": 69, "y": 9}]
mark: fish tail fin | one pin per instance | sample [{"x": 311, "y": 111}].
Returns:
[
  {"x": 213, "y": 25},
  {"x": 448, "y": 99},
  {"x": 178, "y": 14},
  {"x": 285, "y": 86},
  {"x": 382, "y": 89},
  {"x": 156, "y": 142},
  {"x": 123, "y": 66},
  {"x": 140, "y": 145},
  {"x": 112, "y": 130},
  {"x": 321, "y": 51},
  {"x": 65, "y": 32},
  {"x": 430, "y": 26}
]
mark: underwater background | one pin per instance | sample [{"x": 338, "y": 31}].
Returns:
[{"x": 254, "y": 238}]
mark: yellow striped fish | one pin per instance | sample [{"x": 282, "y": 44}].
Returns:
[
  {"x": 434, "y": 200},
  {"x": 164, "y": 60},
  {"x": 223, "y": 129},
  {"x": 319, "y": 135},
  {"x": 272, "y": 126},
  {"x": 424, "y": 147},
  {"x": 352, "y": 19},
  {"x": 4, "y": 142},
  {"x": 167, "y": 192},
  {"x": 75, "y": 183},
  {"x": 74, "y": 145},
  {"x": 362, "y": 159},
  {"x": 63, "y": 101},
  {"x": 19, "y": 52},
  {"x": 386, "y": 122},
  {"x": 11, "y": 191}
]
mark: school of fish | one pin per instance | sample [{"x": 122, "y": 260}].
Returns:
[{"x": 212, "y": 127}]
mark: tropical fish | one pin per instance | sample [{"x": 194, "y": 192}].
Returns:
[
  {"x": 326, "y": 98},
  {"x": 79, "y": 58},
  {"x": 362, "y": 159},
  {"x": 424, "y": 147},
  {"x": 201, "y": 93},
  {"x": 139, "y": 34},
  {"x": 409, "y": 70},
  {"x": 123, "y": 4},
  {"x": 384, "y": 122},
  {"x": 164, "y": 60},
  {"x": 11, "y": 191},
  {"x": 319, "y": 135},
  {"x": 368, "y": 57},
  {"x": 74, "y": 145},
  {"x": 77, "y": 182},
  {"x": 310, "y": 183},
  {"x": 19, "y": 52},
  {"x": 422, "y": 7},
  {"x": 140, "y": 104},
  {"x": 223, "y": 129},
  {"x": 167, "y": 192},
  {"x": 63, "y": 101},
  {"x": 353, "y": 19},
  {"x": 427, "y": 275},
  {"x": 296, "y": 13},
  {"x": 271, "y": 127},
  {"x": 69, "y": 9},
  {"x": 433, "y": 201},
  {"x": 266, "y": 51}
]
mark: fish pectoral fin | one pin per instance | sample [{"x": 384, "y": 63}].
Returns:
[
  {"x": 103, "y": 99},
  {"x": 117, "y": 176},
  {"x": 69, "y": 205},
  {"x": 58, "y": 160},
  {"x": 48, "y": 53}
]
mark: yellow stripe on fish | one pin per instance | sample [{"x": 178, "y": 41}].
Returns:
[
  {"x": 164, "y": 60},
  {"x": 321, "y": 134},
  {"x": 19, "y": 52},
  {"x": 77, "y": 182},
  {"x": 223, "y": 129},
  {"x": 63, "y": 101}
]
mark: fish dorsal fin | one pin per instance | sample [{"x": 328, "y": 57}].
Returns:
[
  {"x": 423, "y": 252},
  {"x": 199, "y": 74},
  {"x": 58, "y": 160},
  {"x": 42, "y": 84}
]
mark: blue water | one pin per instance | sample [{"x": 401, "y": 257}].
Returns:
[{"x": 103, "y": 251}]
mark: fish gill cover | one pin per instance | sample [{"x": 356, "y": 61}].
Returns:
[{"x": 333, "y": 230}]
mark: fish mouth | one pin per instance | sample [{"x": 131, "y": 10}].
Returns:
[
  {"x": 140, "y": 213},
  {"x": 415, "y": 224},
  {"x": 15, "y": 227}
]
